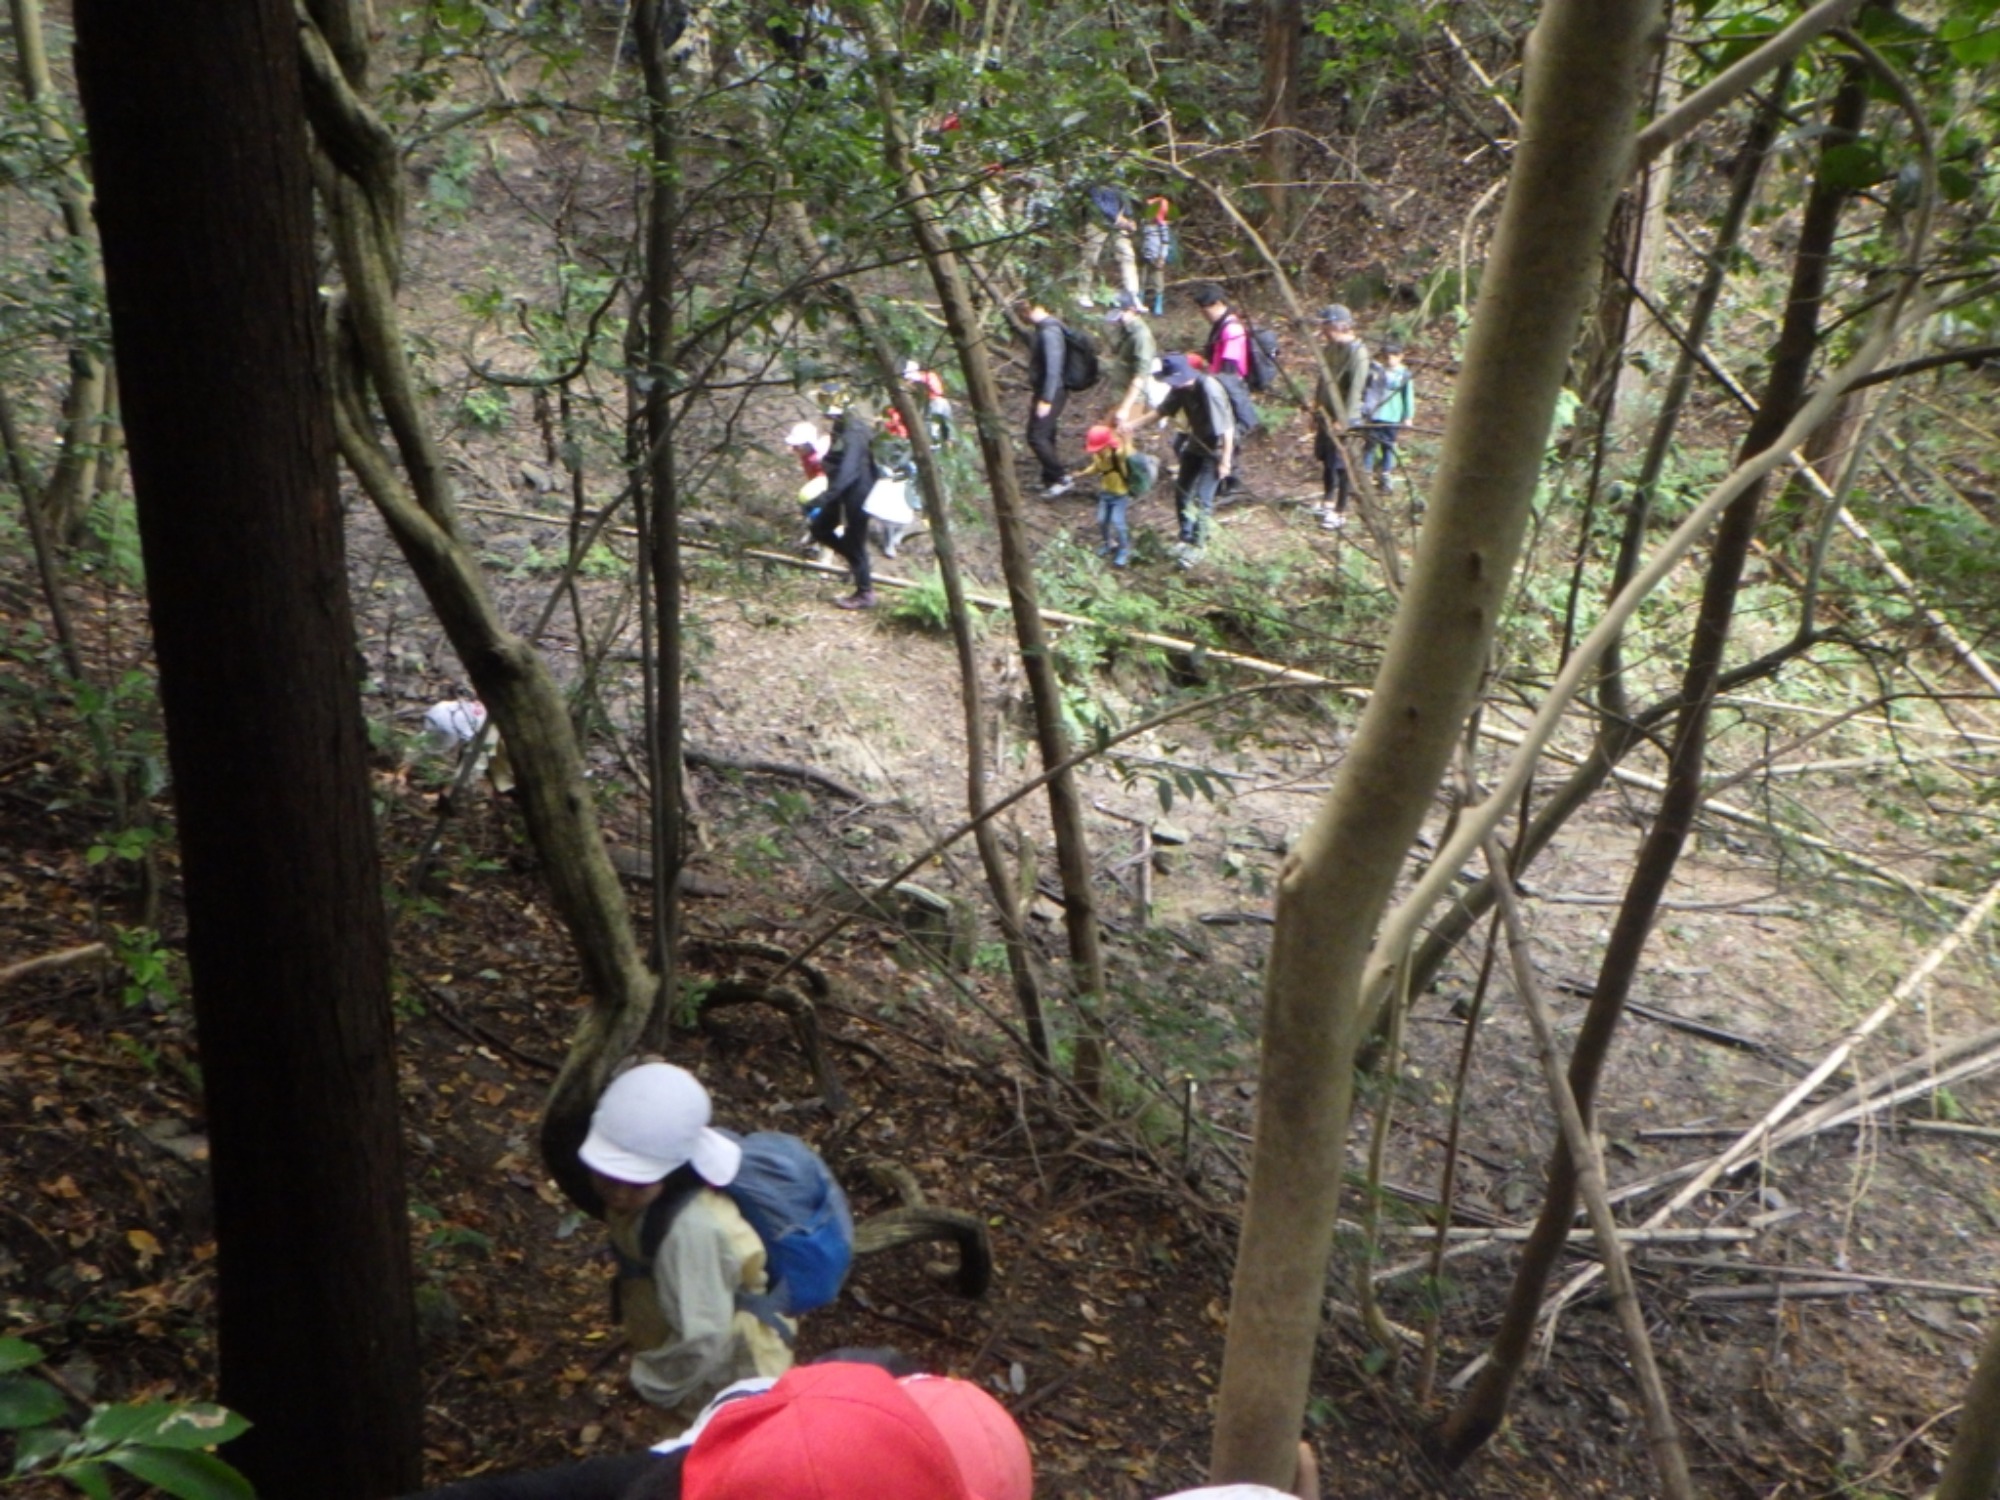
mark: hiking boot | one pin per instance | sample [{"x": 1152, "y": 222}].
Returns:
[{"x": 856, "y": 601}]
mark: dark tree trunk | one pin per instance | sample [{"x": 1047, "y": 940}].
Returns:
[
  {"x": 197, "y": 135},
  {"x": 1283, "y": 21},
  {"x": 657, "y": 492},
  {"x": 1478, "y": 1416}
]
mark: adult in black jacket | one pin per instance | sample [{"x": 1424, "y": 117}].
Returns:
[
  {"x": 850, "y": 475},
  {"x": 1207, "y": 448},
  {"x": 1048, "y": 344}
]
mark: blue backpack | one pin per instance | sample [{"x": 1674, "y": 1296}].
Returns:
[{"x": 800, "y": 1213}]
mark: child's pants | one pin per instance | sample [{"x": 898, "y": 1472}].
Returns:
[
  {"x": 1378, "y": 450},
  {"x": 1112, "y": 528}
]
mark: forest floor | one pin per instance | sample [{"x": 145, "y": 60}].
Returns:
[{"x": 1794, "y": 1374}]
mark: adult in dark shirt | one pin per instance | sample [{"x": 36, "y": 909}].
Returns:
[
  {"x": 1047, "y": 391},
  {"x": 1207, "y": 447},
  {"x": 850, "y": 475}
]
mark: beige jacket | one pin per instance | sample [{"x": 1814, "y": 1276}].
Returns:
[{"x": 688, "y": 1337}]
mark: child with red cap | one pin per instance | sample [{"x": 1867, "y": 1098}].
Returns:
[
  {"x": 837, "y": 1430},
  {"x": 1110, "y": 462}
]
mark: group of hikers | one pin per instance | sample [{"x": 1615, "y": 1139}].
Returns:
[
  {"x": 721, "y": 1243},
  {"x": 1207, "y": 398}
]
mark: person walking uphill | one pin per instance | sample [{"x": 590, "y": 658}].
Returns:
[
  {"x": 1048, "y": 392},
  {"x": 650, "y": 1139},
  {"x": 841, "y": 522}
]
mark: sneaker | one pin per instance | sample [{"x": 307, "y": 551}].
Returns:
[
  {"x": 1121, "y": 560},
  {"x": 1059, "y": 488},
  {"x": 856, "y": 601},
  {"x": 889, "y": 551},
  {"x": 1332, "y": 520}
]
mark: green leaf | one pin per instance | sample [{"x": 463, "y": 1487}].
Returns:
[
  {"x": 17, "y": 1354},
  {"x": 36, "y": 1445},
  {"x": 1955, "y": 183},
  {"x": 1976, "y": 49},
  {"x": 91, "y": 1479},
  {"x": 26, "y": 1402},
  {"x": 185, "y": 1475},
  {"x": 1857, "y": 164},
  {"x": 164, "y": 1424}
]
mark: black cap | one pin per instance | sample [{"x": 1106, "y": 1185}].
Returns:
[
  {"x": 1208, "y": 294},
  {"x": 1174, "y": 369}
]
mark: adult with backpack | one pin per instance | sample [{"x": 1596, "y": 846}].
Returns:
[
  {"x": 721, "y": 1242},
  {"x": 1059, "y": 362},
  {"x": 1207, "y": 448},
  {"x": 1110, "y": 221},
  {"x": 841, "y": 521},
  {"x": 1234, "y": 357}
]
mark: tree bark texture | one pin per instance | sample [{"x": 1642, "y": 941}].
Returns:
[
  {"x": 1582, "y": 87},
  {"x": 72, "y": 481},
  {"x": 657, "y": 492},
  {"x": 1479, "y": 1415},
  {"x": 1284, "y": 20},
  {"x": 197, "y": 137},
  {"x": 361, "y": 185},
  {"x": 1073, "y": 860},
  {"x": 1972, "y": 1472}
]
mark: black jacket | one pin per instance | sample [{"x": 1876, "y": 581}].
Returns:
[
  {"x": 1045, "y": 359},
  {"x": 850, "y": 466}
]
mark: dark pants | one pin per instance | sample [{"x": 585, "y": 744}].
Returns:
[
  {"x": 1378, "y": 450},
  {"x": 1042, "y": 438},
  {"x": 1335, "y": 483},
  {"x": 592, "y": 1479},
  {"x": 1194, "y": 492},
  {"x": 851, "y": 544}
]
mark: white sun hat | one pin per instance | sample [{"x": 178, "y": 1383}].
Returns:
[
  {"x": 802, "y": 435},
  {"x": 652, "y": 1121}
]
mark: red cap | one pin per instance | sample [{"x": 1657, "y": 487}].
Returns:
[
  {"x": 992, "y": 1455},
  {"x": 823, "y": 1432},
  {"x": 1098, "y": 439}
]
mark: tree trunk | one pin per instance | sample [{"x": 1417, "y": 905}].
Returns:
[
  {"x": 72, "y": 482},
  {"x": 361, "y": 185},
  {"x": 1580, "y": 102},
  {"x": 657, "y": 493},
  {"x": 1073, "y": 858},
  {"x": 1972, "y": 1472},
  {"x": 1278, "y": 117},
  {"x": 1478, "y": 1416},
  {"x": 197, "y": 138}
]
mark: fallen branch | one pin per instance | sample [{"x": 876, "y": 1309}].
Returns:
[
  {"x": 805, "y": 1026},
  {"x": 1759, "y": 1268},
  {"x": 63, "y": 959},
  {"x": 1662, "y": 1436},
  {"x": 1779, "y": 1291},
  {"x": 1760, "y": 1136},
  {"x": 751, "y": 765}
]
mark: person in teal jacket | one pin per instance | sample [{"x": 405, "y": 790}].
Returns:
[{"x": 1388, "y": 405}]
